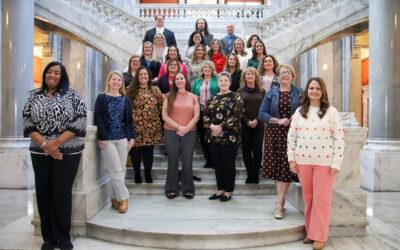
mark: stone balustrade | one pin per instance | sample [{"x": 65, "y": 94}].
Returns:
[{"x": 209, "y": 12}]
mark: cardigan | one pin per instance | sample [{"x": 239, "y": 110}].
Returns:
[
  {"x": 101, "y": 118},
  {"x": 213, "y": 86},
  {"x": 316, "y": 141},
  {"x": 65, "y": 111},
  {"x": 270, "y": 105}
]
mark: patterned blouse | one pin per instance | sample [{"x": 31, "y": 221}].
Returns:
[
  {"x": 147, "y": 116},
  {"x": 52, "y": 116},
  {"x": 116, "y": 107},
  {"x": 195, "y": 71},
  {"x": 225, "y": 110}
]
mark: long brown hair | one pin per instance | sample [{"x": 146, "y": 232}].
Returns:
[
  {"x": 261, "y": 69},
  {"x": 305, "y": 100},
  {"x": 174, "y": 90},
  {"x": 176, "y": 60},
  {"x": 134, "y": 86},
  {"x": 237, "y": 66},
  {"x": 211, "y": 52}
]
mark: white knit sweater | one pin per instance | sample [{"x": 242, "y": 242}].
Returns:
[{"x": 315, "y": 141}]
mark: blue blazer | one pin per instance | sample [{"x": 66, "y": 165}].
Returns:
[
  {"x": 101, "y": 118},
  {"x": 270, "y": 105}
]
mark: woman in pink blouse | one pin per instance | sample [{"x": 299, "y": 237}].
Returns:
[
  {"x": 180, "y": 113},
  {"x": 172, "y": 53},
  {"x": 315, "y": 152}
]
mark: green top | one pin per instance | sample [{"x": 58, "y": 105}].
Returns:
[{"x": 213, "y": 86}]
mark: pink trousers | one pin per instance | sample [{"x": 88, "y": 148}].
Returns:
[{"x": 317, "y": 185}]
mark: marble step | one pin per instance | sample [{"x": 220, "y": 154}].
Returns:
[
  {"x": 207, "y": 187},
  {"x": 154, "y": 221},
  {"x": 205, "y": 174},
  {"x": 161, "y": 160}
]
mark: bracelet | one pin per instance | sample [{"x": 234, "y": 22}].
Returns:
[{"x": 43, "y": 143}]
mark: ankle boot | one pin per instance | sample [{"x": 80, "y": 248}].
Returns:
[
  {"x": 115, "y": 204},
  {"x": 138, "y": 178},
  {"x": 123, "y": 207}
]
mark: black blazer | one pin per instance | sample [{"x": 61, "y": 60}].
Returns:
[
  {"x": 163, "y": 84},
  {"x": 169, "y": 36},
  {"x": 154, "y": 67},
  {"x": 101, "y": 118}
]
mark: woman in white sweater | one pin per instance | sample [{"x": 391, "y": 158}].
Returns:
[{"x": 315, "y": 152}]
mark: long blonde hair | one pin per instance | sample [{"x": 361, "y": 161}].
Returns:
[
  {"x": 257, "y": 81},
  {"x": 110, "y": 74}
]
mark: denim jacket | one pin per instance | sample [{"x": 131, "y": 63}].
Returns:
[{"x": 270, "y": 106}]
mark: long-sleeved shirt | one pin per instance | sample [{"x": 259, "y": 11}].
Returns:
[
  {"x": 225, "y": 110},
  {"x": 252, "y": 101},
  {"x": 315, "y": 141},
  {"x": 52, "y": 116}
]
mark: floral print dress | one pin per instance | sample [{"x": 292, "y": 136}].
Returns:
[{"x": 147, "y": 117}]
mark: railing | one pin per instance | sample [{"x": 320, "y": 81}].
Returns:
[
  {"x": 294, "y": 14},
  {"x": 210, "y": 12}
]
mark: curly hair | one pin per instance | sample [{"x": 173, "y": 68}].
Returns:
[
  {"x": 305, "y": 99},
  {"x": 248, "y": 44},
  {"x": 261, "y": 69},
  {"x": 191, "y": 42}
]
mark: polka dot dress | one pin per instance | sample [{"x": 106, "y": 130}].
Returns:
[{"x": 275, "y": 161}]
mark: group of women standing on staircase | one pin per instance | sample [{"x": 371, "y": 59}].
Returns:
[{"x": 243, "y": 98}]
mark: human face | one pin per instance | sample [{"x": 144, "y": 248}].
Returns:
[
  {"x": 268, "y": 63},
  {"x": 173, "y": 53},
  {"x": 232, "y": 61},
  {"x": 285, "y": 76},
  {"x": 239, "y": 46},
  {"x": 135, "y": 63},
  {"x": 158, "y": 41},
  {"x": 173, "y": 67},
  {"x": 253, "y": 41},
  {"x": 230, "y": 28},
  {"x": 197, "y": 39},
  {"x": 200, "y": 52},
  {"x": 201, "y": 25},
  {"x": 207, "y": 71},
  {"x": 224, "y": 84},
  {"x": 147, "y": 50},
  {"x": 314, "y": 91},
  {"x": 53, "y": 76},
  {"x": 180, "y": 81},
  {"x": 250, "y": 77},
  {"x": 215, "y": 46},
  {"x": 160, "y": 21},
  {"x": 143, "y": 77},
  {"x": 259, "y": 48},
  {"x": 115, "y": 83}
]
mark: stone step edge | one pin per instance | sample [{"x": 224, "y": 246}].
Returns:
[{"x": 195, "y": 240}]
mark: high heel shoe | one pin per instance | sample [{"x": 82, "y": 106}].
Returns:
[{"x": 278, "y": 213}]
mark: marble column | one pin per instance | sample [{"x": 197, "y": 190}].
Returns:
[
  {"x": 16, "y": 81},
  {"x": 381, "y": 157}
]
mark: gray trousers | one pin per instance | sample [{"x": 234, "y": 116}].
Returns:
[
  {"x": 177, "y": 147},
  {"x": 114, "y": 156}
]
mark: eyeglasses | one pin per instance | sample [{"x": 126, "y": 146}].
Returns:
[
  {"x": 173, "y": 64},
  {"x": 285, "y": 73}
]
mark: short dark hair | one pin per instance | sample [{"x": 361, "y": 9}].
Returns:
[
  {"x": 63, "y": 84},
  {"x": 155, "y": 17}
]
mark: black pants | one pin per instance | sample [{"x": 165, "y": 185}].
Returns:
[
  {"x": 252, "y": 139},
  {"x": 224, "y": 163},
  {"x": 54, "y": 180},
  {"x": 204, "y": 145},
  {"x": 146, "y": 153}
]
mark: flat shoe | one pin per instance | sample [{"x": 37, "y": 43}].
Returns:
[
  {"x": 215, "y": 197},
  {"x": 171, "y": 195},
  {"x": 225, "y": 198},
  {"x": 317, "y": 245},
  {"x": 188, "y": 196}
]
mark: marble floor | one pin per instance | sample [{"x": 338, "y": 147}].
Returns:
[{"x": 16, "y": 231}]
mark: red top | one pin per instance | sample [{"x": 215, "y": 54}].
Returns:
[{"x": 219, "y": 62}]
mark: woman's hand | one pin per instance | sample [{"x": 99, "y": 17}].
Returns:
[
  {"x": 294, "y": 168},
  {"x": 102, "y": 144},
  {"x": 182, "y": 130},
  {"x": 56, "y": 155},
  {"x": 215, "y": 129},
  {"x": 284, "y": 122},
  {"x": 130, "y": 144},
  {"x": 253, "y": 123},
  {"x": 51, "y": 147},
  {"x": 334, "y": 171}
]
